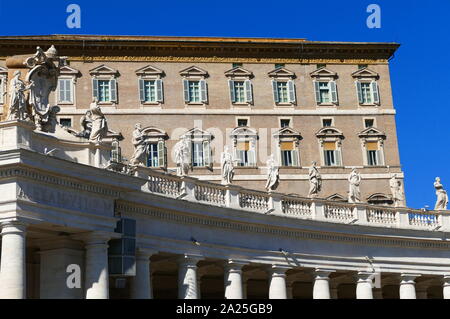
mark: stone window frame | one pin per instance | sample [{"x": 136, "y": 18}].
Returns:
[
  {"x": 106, "y": 73},
  {"x": 239, "y": 74},
  {"x": 373, "y": 135},
  {"x": 206, "y": 138},
  {"x": 288, "y": 134},
  {"x": 151, "y": 73},
  {"x": 289, "y": 118},
  {"x": 365, "y": 75},
  {"x": 369, "y": 118},
  {"x": 245, "y": 134},
  {"x": 68, "y": 73},
  {"x": 65, "y": 117},
  {"x": 283, "y": 74},
  {"x": 331, "y": 134},
  {"x": 191, "y": 74},
  {"x": 3, "y": 85},
  {"x": 243, "y": 118},
  {"x": 325, "y": 75},
  {"x": 322, "y": 118},
  {"x": 157, "y": 136}
]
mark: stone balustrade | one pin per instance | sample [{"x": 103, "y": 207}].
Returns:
[{"x": 292, "y": 206}]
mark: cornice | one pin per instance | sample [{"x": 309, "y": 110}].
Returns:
[{"x": 130, "y": 208}]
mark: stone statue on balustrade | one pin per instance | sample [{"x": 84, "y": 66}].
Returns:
[
  {"x": 140, "y": 146},
  {"x": 315, "y": 181},
  {"x": 86, "y": 125},
  {"x": 182, "y": 157},
  {"x": 442, "y": 197},
  {"x": 99, "y": 123},
  {"x": 227, "y": 167},
  {"x": 273, "y": 174},
  {"x": 17, "y": 100},
  {"x": 354, "y": 194},
  {"x": 398, "y": 194}
]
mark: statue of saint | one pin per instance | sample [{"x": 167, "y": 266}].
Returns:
[
  {"x": 354, "y": 194},
  {"x": 273, "y": 175},
  {"x": 17, "y": 103},
  {"x": 99, "y": 124},
  {"x": 182, "y": 156},
  {"x": 227, "y": 167},
  {"x": 442, "y": 197},
  {"x": 86, "y": 125},
  {"x": 315, "y": 181},
  {"x": 398, "y": 195},
  {"x": 140, "y": 146}
]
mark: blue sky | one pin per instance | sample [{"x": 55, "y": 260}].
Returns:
[{"x": 419, "y": 69}]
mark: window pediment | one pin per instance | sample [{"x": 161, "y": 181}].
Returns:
[
  {"x": 372, "y": 132},
  {"x": 150, "y": 71},
  {"x": 244, "y": 131},
  {"x": 287, "y": 132},
  {"x": 67, "y": 70},
  {"x": 337, "y": 198},
  {"x": 379, "y": 198},
  {"x": 327, "y": 132},
  {"x": 239, "y": 72},
  {"x": 323, "y": 73},
  {"x": 365, "y": 73},
  {"x": 282, "y": 73},
  {"x": 197, "y": 133},
  {"x": 194, "y": 71},
  {"x": 104, "y": 70},
  {"x": 154, "y": 132}
]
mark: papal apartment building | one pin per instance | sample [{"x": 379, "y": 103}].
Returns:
[{"x": 191, "y": 236}]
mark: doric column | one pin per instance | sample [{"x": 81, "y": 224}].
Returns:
[
  {"x": 233, "y": 280},
  {"x": 446, "y": 286},
  {"x": 408, "y": 286},
  {"x": 321, "y": 288},
  {"x": 141, "y": 284},
  {"x": 13, "y": 264},
  {"x": 364, "y": 285},
  {"x": 187, "y": 277},
  {"x": 277, "y": 288},
  {"x": 96, "y": 263}
]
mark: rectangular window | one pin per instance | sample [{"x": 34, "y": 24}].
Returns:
[
  {"x": 235, "y": 65},
  {"x": 331, "y": 154},
  {"x": 289, "y": 154},
  {"x": 65, "y": 91},
  {"x": 285, "y": 123},
  {"x": 198, "y": 158},
  {"x": 153, "y": 158},
  {"x": 150, "y": 91},
  {"x": 373, "y": 154},
  {"x": 279, "y": 65},
  {"x": 242, "y": 122},
  {"x": 239, "y": 91},
  {"x": 327, "y": 122},
  {"x": 104, "y": 91},
  {"x": 321, "y": 66},
  {"x": 65, "y": 122},
  {"x": 324, "y": 91},
  {"x": 194, "y": 92},
  {"x": 366, "y": 94},
  {"x": 369, "y": 123},
  {"x": 245, "y": 154},
  {"x": 283, "y": 93}
]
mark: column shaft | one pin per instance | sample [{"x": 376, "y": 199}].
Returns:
[
  {"x": 13, "y": 264},
  {"x": 446, "y": 287},
  {"x": 187, "y": 278},
  {"x": 364, "y": 286},
  {"x": 408, "y": 286},
  {"x": 233, "y": 281},
  {"x": 277, "y": 288},
  {"x": 141, "y": 284},
  {"x": 321, "y": 288}
]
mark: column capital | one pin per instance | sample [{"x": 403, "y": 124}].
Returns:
[
  {"x": 96, "y": 237},
  {"x": 446, "y": 280},
  {"x": 190, "y": 260},
  {"x": 235, "y": 265},
  {"x": 365, "y": 276},
  {"x": 143, "y": 253},
  {"x": 13, "y": 226},
  {"x": 323, "y": 273},
  {"x": 406, "y": 278},
  {"x": 278, "y": 270}
]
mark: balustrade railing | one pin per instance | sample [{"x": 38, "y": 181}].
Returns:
[{"x": 296, "y": 207}]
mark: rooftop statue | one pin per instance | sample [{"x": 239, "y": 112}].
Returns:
[
  {"x": 99, "y": 123},
  {"x": 315, "y": 181},
  {"x": 354, "y": 194},
  {"x": 140, "y": 146},
  {"x": 442, "y": 197},
  {"x": 227, "y": 167},
  {"x": 182, "y": 157},
  {"x": 398, "y": 195},
  {"x": 273, "y": 174}
]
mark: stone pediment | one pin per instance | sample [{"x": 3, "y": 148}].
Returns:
[
  {"x": 104, "y": 70},
  {"x": 3, "y": 71},
  {"x": 150, "y": 71},
  {"x": 365, "y": 73},
  {"x": 288, "y": 132},
  {"x": 281, "y": 73},
  {"x": 239, "y": 72},
  {"x": 244, "y": 131},
  {"x": 155, "y": 132},
  {"x": 329, "y": 132},
  {"x": 379, "y": 198},
  {"x": 372, "y": 132},
  {"x": 67, "y": 70},
  {"x": 337, "y": 198},
  {"x": 323, "y": 73},
  {"x": 197, "y": 133},
  {"x": 194, "y": 71}
]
